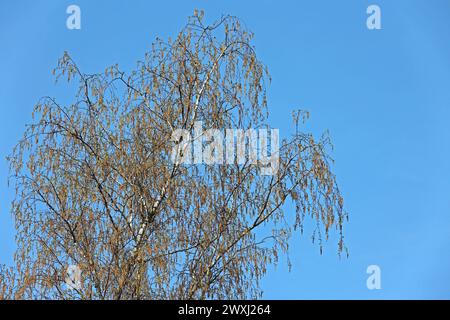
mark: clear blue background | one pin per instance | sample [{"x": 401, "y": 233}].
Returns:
[{"x": 384, "y": 95}]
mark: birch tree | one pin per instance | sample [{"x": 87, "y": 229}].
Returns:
[{"x": 96, "y": 187}]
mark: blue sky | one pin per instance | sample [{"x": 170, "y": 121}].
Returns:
[{"x": 384, "y": 95}]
